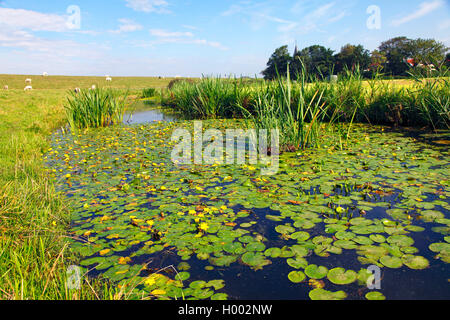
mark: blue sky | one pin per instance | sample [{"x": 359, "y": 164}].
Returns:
[{"x": 191, "y": 38}]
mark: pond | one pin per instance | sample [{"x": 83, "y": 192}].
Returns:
[{"x": 226, "y": 232}]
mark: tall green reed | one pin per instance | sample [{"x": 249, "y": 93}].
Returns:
[{"x": 95, "y": 108}]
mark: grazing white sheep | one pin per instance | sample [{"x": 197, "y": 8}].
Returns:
[
  {"x": 109, "y": 79},
  {"x": 94, "y": 87},
  {"x": 28, "y": 80},
  {"x": 77, "y": 90},
  {"x": 28, "y": 88},
  {"x": 45, "y": 74},
  {"x": 6, "y": 88}
]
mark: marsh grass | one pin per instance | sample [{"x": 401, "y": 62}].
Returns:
[
  {"x": 149, "y": 92},
  {"x": 416, "y": 102},
  {"x": 95, "y": 108}
]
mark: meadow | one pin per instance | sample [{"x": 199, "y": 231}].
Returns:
[{"x": 349, "y": 194}]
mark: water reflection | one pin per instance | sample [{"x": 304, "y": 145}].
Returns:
[{"x": 145, "y": 112}]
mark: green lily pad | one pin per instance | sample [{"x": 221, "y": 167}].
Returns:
[
  {"x": 217, "y": 284},
  {"x": 219, "y": 296},
  {"x": 255, "y": 259},
  {"x": 415, "y": 262},
  {"x": 431, "y": 215},
  {"x": 297, "y": 263},
  {"x": 400, "y": 240},
  {"x": 284, "y": 229},
  {"x": 316, "y": 272},
  {"x": 300, "y": 236},
  {"x": 440, "y": 247},
  {"x": 273, "y": 252},
  {"x": 391, "y": 262},
  {"x": 296, "y": 276},
  {"x": 341, "y": 276},
  {"x": 362, "y": 240},
  {"x": 375, "y": 295},
  {"x": 344, "y": 235},
  {"x": 322, "y": 294},
  {"x": 299, "y": 250},
  {"x": 377, "y": 238},
  {"x": 345, "y": 244}
]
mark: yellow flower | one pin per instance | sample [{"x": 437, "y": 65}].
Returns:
[
  {"x": 203, "y": 226},
  {"x": 68, "y": 176},
  {"x": 150, "y": 281},
  {"x": 158, "y": 292},
  {"x": 223, "y": 208},
  {"x": 192, "y": 212},
  {"x": 103, "y": 252}
]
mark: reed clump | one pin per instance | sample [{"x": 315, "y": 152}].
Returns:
[{"x": 96, "y": 108}]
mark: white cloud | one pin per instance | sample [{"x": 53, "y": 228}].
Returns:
[
  {"x": 315, "y": 19},
  {"x": 127, "y": 25},
  {"x": 179, "y": 37},
  {"x": 51, "y": 48},
  {"x": 158, "y": 6},
  {"x": 168, "y": 34},
  {"x": 25, "y": 19},
  {"x": 424, "y": 9},
  {"x": 190, "y": 27},
  {"x": 257, "y": 13}
]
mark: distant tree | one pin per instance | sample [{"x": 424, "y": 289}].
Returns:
[
  {"x": 396, "y": 51},
  {"x": 427, "y": 51},
  {"x": 279, "y": 61},
  {"x": 352, "y": 56},
  {"x": 447, "y": 60},
  {"x": 377, "y": 61},
  {"x": 317, "y": 60}
]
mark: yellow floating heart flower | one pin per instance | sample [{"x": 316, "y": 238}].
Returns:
[
  {"x": 103, "y": 252},
  {"x": 158, "y": 292},
  {"x": 204, "y": 226}
]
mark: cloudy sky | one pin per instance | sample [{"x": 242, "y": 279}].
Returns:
[{"x": 195, "y": 37}]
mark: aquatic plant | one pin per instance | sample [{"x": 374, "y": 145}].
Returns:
[{"x": 95, "y": 108}]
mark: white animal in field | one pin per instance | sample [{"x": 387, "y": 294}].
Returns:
[
  {"x": 109, "y": 79},
  {"x": 6, "y": 88},
  {"x": 77, "y": 90},
  {"x": 94, "y": 87},
  {"x": 28, "y": 88},
  {"x": 45, "y": 74},
  {"x": 28, "y": 80}
]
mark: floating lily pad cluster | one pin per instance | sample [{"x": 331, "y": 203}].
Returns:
[{"x": 131, "y": 206}]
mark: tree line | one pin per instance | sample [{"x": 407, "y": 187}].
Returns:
[{"x": 393, "y": 58}]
